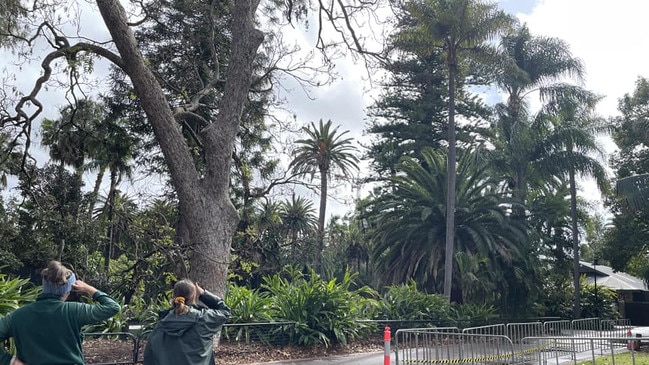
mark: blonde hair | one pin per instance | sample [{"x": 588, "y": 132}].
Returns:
[
  {"x": 56, "y": 273},
  {"x": 183, "y": 295}
]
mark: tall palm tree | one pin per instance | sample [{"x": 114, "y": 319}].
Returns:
[
  {"x": 460, "y": 29},
  {"x": 67, "y": 141},
  {"x": 574, "y": 141},
  {"x": 111, "y": 149},
  {"x": 410, "y": 233},
  {"x": 323, "y": 151},
  {"x": 533, "y": 64}
]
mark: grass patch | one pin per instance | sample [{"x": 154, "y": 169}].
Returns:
[{"x": 641, "y": 358}]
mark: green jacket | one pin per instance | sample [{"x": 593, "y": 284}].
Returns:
[
  {"x": 48, "y": 331},
  {"x": 187, "y": 339}
]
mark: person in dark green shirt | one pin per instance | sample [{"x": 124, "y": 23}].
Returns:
[
  {"x": 184, "y": 334},
  {"x": 48, "y": 331}
]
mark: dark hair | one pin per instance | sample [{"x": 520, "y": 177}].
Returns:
[
  {"x": 183, "y": 295},
  {"x": 56, "y": 273}
]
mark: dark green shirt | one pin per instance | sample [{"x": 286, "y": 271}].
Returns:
[{"x": 48, "y": 331}]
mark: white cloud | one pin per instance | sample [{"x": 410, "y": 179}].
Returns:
[{"x": 608, "y": 36}]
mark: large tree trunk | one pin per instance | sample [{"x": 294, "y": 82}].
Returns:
[{"x": 204, "y": 200}]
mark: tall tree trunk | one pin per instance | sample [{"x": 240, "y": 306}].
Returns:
[
  {"x": 576, "y": 309},
  {"x": 450, "y": 192},
  {"x": 203, "y": 198},
  {"x": 321, "y": 221},
  {"x": 95, "y": 190},
  {"x": 110, "y": 202}
]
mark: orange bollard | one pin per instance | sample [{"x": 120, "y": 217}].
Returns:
[{"x": 386, "y": 340}]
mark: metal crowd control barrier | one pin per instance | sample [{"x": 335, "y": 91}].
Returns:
[
  {"x": 494, "y": 329},
  {"x": 554, "y": 350},
  {"x": 557, "y": 328},
  {"x": 518, "y": 331},
  {"x": 553, "y": 342},
  {"x": 417, "y": 346}
]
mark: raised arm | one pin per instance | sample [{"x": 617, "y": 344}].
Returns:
[
  {"x": 217, "y": 313},
  {"x": 106, "y": 308}
]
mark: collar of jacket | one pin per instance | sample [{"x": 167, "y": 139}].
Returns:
[{"x": 49, "y": 296}]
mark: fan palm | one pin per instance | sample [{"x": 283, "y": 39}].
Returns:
[{"x": 324, "y": 150}]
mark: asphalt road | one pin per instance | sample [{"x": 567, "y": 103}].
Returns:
[{"x": 374, "y": 358}]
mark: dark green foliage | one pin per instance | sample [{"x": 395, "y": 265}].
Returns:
[
  {"x": 471, "y": 315},
  {"x": 139, "y": 311},
  {"x": 625, "y": 243},
  {"x": 600, "y": 302},
  {"x": 49, "y": 221},
  {"x": 409, "y": 231},
  {"x": 248, "y": 306},
  {"x": 557, "y": 297},
  {"x": 405, "y": 302},
  {"x": 324, "y": 312}
]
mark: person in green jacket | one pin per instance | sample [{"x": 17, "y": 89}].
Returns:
[
  {"x": 48, "y": 331},
  {"x": 184, "y": 334}
]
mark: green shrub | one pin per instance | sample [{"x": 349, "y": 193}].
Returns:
[
  {"x": 405, "y": 302},
  {"x": 248, "y": 306},
  {"x": 324, "y": 312},
  {"x": 16, "y": 292},
  {"x": 599, "y": 304},
  {"x": 469, "y": 315}
]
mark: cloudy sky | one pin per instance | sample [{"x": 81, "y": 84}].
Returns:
[{"x": 608, "y": 36}]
